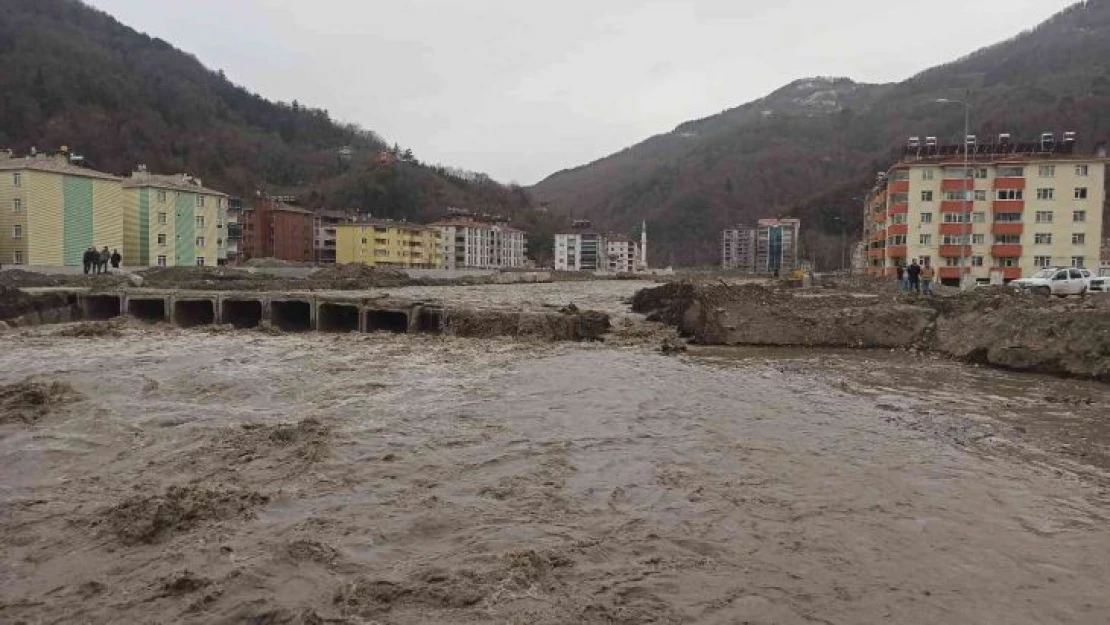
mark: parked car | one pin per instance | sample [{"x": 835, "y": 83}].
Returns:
[{"x": 1059, "y": 281}]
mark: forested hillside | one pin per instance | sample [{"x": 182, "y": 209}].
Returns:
[
  {"x": 72, "y": 75},
  {"x": 811, "y": 148}
]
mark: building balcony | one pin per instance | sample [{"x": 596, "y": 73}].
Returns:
[
  {"x": 898, "y": 229},
  {"x": 1009, "y": 206},
  {"x": 954, "y": 228},
  {"x": 1008, "y": 273},
  {"x": 950, "y": 273},
  {"x": 956, "y": 206},
  {"x": 880, "y": 217},
  {"x": 954, "y": 251},
  {"x": 877, "y": 252},
  {"x": 1006, "y": 251},
  {"x": 1009, "y": 183},
  {"x": 1007, "y": 227},
  {"x": 899, "y": 186},
  {"x": 955, "y": 184},
  {"x": 896, "y": 251},
  {"x": 899, "y": 209}
]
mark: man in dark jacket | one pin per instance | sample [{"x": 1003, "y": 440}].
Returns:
[
  {"x": 116, "y": 258},
  {"x": 914, "y": 274},
  {"x": 87, "y": 259}
]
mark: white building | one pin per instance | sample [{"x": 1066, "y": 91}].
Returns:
[
  {"x": 580, "y": 251},
  {"x": 623, "y": 254},
  {"x": 473, "y": 244}
]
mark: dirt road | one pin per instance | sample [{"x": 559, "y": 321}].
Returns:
[{"x": 200, "y": 477}]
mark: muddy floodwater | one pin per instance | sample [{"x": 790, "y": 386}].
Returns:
[{"x": 197, "y": 476}]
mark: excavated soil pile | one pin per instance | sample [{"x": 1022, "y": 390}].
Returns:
[
  {"x": 994, "y": 326},
  {"x": 586, "y": 325},
  {"x": 210, "y": 279},
  {"x": 149, "y": 518},
  {"x": 20, "y": 308},
  {"x": 356, "y": 277},
  {"x": 31, "y": 400},
  {"x": 758, "y": 315}
]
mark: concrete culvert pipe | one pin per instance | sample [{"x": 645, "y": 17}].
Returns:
[
  {"x": 395, "y": 321},
  {"x": 337, "y": 318},
  {"x": 102, "y": 307},
  {"x": 291, "y": 315},
  {"x": 242, "y": 314},
  {"x": 149, "y": 310},
  {"x": 429, "y": 320},
  {"x": 194, "y": 312}
]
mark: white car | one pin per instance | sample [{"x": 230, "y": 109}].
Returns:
[
  {"x": 1099, "y": 284},
  {"x": 1060, "y": 281}
]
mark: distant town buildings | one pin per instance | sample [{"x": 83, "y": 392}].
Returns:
[
  {"x": 584, "y": 249},
  {"x": 1014, "y": 208},
  {"x": 324, "y": 224},
  {"x": 274, "y": 229},
  {"x": 772, "y": 245},
  {"x": 172, "y": 221},
  {"x": 389, "y": 244},
  {"x": 469, "y": 241}
]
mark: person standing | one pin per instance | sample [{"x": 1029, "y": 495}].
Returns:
[
  {"x": 913, "y": 273},
  {"x": 116, "y": 259},
  {"x": 86, "y": 260},
  {"x": 927, "y": 274},
  {"x": 900, "y": 273},
  {"x": 105, "y": 256}
]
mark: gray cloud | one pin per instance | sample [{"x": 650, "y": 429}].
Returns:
[{"x": 520, "y": 89}]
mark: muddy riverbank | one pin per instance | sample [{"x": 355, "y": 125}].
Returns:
[{"x": 225, "y": 477}]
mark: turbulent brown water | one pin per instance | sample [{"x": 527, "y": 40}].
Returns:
[{"x": 238, "y": 477}]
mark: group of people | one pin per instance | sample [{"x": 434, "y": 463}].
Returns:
[
  {"x": 97, "y": 262},
  {"x": 916, "y": 278}
]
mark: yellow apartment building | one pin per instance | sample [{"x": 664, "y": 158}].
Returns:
[
  {"x": 172, "y": 221},
  {"x": 388, "y": 244},
  {"x": 51, "y": 210},
  {"x": 1012, "y": 209}
]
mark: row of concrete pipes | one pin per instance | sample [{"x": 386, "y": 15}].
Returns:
[{"x": 286, "y": 313}]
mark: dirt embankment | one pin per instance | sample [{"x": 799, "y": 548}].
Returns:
[
  {"x": 18, "y": 308},
  {"x": 988, "y": 326}
]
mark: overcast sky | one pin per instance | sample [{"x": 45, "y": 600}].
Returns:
[{"x": 520, "y": 89}]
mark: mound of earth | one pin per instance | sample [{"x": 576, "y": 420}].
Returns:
[
  {"x": 208, "y": 278},
  {"x": 357, "y": 277},
  {"x": 30, "y": 400},
  {"x": 150, "y": 518}
]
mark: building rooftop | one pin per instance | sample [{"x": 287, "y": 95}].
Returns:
[
  {"x": 55, "y": 164},
  {"x": 176, "y": 182},
  {"x": 385, "y": 223},
  {"x": 470, "y": 222}
]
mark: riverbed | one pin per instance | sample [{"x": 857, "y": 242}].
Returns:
[{"x": 211, "y": 476}]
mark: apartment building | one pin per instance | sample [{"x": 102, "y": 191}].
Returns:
[
  {"x": 52, "y": 210},
  {"x": 324, "y": 224},
  {"x": 1014, "y": 208},
  {"x": 772, "y": 245},
  {"x": 389, "y": 244},
  {"x": 622, "y": 253},
  {"x": 172, "y": 221},
  {"x": 473, "y": 243},
  {"x": 275, "y": 229}
]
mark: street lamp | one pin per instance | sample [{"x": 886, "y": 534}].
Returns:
[{"x": 965, "y": 281}]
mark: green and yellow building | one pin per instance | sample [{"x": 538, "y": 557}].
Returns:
[
  {"x": 388, "y": 244},
  {"x": 173, "y": 221},
  {"x": 51, "y": 210}
]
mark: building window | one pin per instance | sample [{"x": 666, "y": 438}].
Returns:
[
  {"x": 1010, "y": 194},
  {"x": 1042, "y": 238},
  {"x": 956, "y": 218},
  {"x": 982, "y": 172},
  {"x": 978, "y": 239},
  {"x": 1045, "y": 194},
  {"x": 17, "y": 257},
  {"x": 927, "y": 174},
  {"x": 899, "y": 198},
  {"x": 200, "y": 241},
  {"x": 926, "y": 218},
  {"x": 161, "y": 219},
  {"x": 200, "y": 201},
  {"x": 925, "y": 239},
  {"x": 953, "y": 261},
  {"x": 220, "y": 203},
  {"x": 17, "y": 179},
  {"x": 1081, "y": 170},
  {"x": 1010, "y": 172},
  {"x": 364, "y": 241},
  {"x": 976, "y": 261},
  {"x": 161, "y": 196},
  {"x": 900, "y": 218},
  {"x": 980, "y": 195},
  {"x": 1005, "y": 261},
  {"x": 1007, "y": 217},
  {"x": 1078, "y": 216},
  {"x": 1077, "y": 238},
  {"x": 161, "y": 261},
  {"x": 1042, "y": 261},
  {"x": 1081, "y": 193},
  {"x": 17, "y": 205},
  {"x": 1077, "y": 261},
  {"x": 1046, "y": 171},
  {"x": 954, "y": 239},
  {"x": 162, "y": 240},
  {"x": 200, "y": 261},
  {"x": 200, "y": 221},
  {"x": 1043, "y": 217},
  {"x": 955, "y": 196},
  {"x": 926, "y": 196},
  {"x": 17, "y": 231}
]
